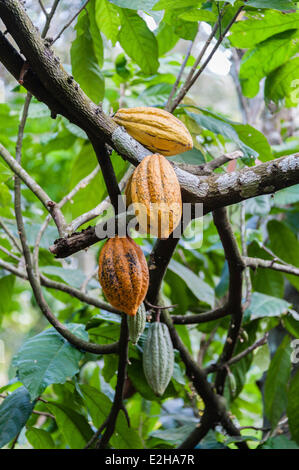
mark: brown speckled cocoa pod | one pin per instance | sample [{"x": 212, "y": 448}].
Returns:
[{"x": 123, "y": 274}]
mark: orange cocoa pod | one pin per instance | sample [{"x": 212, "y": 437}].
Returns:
[
  {"x": 123, "y": 274},
  {"x": 156, "y": 196}
]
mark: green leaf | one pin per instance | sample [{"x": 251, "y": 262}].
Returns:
[
  {"x": 252, "y": 142},
  {"x": 262, "y": 305},
  {"x": 99, "y": 406},
  {"x": 107, "y": 19},
  {"x": 175, "y": 4},
  {"x": 200, "y": 289},
  {"x": 260, "y": 205},
  {"x": 266, "y": 57},
  {"x": 39, "y": 438},
  {"x": 48, "y": 358},
  {"x": 139, "y": 42},
  {"x": 199, "y": 15},
  {"x": 287, "y": 196},
  {"x": 166, "y": 38},
  {"x": 275, "y": 395},
  {"x": 7, "y": 284},
  {"x": 95, "y": 34},
  {"x": 194, "y": 157},
  {"x": 283, "y": 84},
  {"x": 279, "y": 442},
  {"x": 85, "y": 68},
  {"x": 14, "y": 413},
  {"x": 72, "y": 425},
  {"x": 134, "y": 4},
  {"x": 292, "y": 408},
  {"x": 174, "y": 435},
  {"x": 272, "y": 4},
  {"x": 261, "y": 26},
  {"x": 266, "y": 281},
  {"x": 284, "y": 244}
]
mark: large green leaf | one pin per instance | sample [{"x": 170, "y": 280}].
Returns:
[
  {"x": 7, "y": 284},
  {"x": 200, "y": 288},
  {"x": 166, "y": 38},
  {"x": 292, "y": 408},
  {"x": 107, "y": 19},
  {"x": 85, "y": 67},
  {"x": 48, "y": 358},
  {"x": 252, "y": 142},
  {"x": 279, "y": 442},
  {"x": 134, "y": 4},
  {"x": 285, "y": 245},
  {"x": 272, "y": 4},
  {"x": 283, "y": 84},
  {"x": 72, "y": 425},
  {"x": 262, "y": 305},
  {"x": 176, "y": 4},
  {"x": 287, "y": 196},
  {"x": 139, "y": 42},
  {"x": 275, "y": 395},
  {"x": 39, "y": 438},
  {"x": 266, "y": 57},
  {"x": 99, "y": 406},
  {"x": 95, "y": 33},
  {"x": 14, "y": 413},
  {"x": 261, "y": 26}
]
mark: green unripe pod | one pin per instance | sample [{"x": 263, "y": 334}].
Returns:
[
  {"x": 137, "y": 324},
  {"x": 158, "y": 357}
]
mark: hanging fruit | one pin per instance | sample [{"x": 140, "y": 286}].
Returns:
[
  {"x": 158, "y": 357},
  {"x": 123, "y": 274},
  {"x": 156, "y": 129},
  {"x": 137, "y": 324},
  {"x": 156, "y": 196}
]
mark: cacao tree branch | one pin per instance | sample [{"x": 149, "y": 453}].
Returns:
[
  {"x": 255, "y": 263},
  {"x": 201, "y": 317},
  {"x": 213, "y": 192}
]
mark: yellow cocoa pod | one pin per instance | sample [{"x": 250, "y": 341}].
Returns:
[
  {"x": 156, "y": 129},
  {"x": 123, "y": 274},
  {"x": 156, "y": 196}
]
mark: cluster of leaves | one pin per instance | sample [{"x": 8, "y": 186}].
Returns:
[{"x": 117, "y": 57}]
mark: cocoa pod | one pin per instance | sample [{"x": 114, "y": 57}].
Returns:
[
  {"x": 123, "y": 274},
  {"x": 156, "y": 196},
  {"x": 158, "y": 357},
  {"x": 156, "y": 129}
]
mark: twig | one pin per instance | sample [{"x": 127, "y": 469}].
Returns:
[
  {"x": 70, "y": 22},
  {"x": 46, "y": 282},
  {"x": 255, "y": 263},
  {"x": 192, "y": 79},
  {"x": 238, "y": 357},
  {"x": 88, "y": 278},
  {"x": 178, "y": 79},
  {"x": 15, "y": 441},
  {"x": 209, "y": 167},
  {"x": 4, "y": 250},
  {"x": 43, "y": 8},
  {"x": 201, "y": 317},
  {"x": 244, "y": 251},
  {"x": 11, "y": 237},
  {"x": 49, "y": 17}
]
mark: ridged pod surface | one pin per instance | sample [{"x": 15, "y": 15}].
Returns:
[
  {"x": 123, "y": 274},
  {"x": 137, "y": 324},
  {"x": 156, "y": 195},
  {"x": 158, "y": 357},
  {"x": 156, "y": 129}
]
